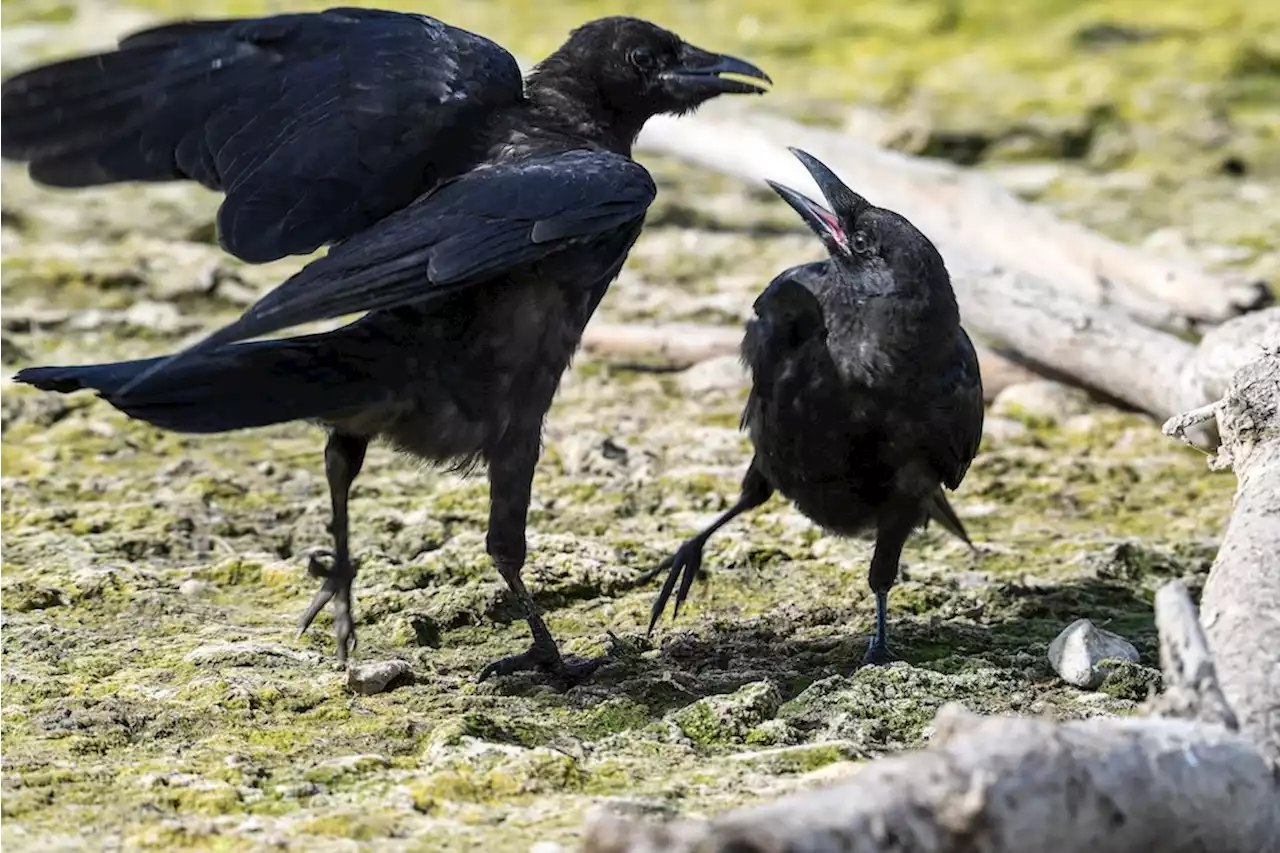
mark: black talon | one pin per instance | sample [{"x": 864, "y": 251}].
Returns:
[{"x": 686, "y": 565}]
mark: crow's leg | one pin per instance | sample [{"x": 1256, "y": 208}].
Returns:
[
  {"x": 510, "y": 487},
  {"x": 686, "y": 562},
  {"x": 343, "y": 458},
  {"x": 891, "y": 535}
]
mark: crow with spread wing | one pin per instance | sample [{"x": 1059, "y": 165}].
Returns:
[
  {"x": 476, "y": 217},
  {"x": 866, "y": 397}
]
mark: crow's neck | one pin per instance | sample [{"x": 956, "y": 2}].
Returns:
[{"x": 564, "y": 102}]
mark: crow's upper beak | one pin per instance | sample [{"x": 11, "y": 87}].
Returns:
[
  {"x": 823, "y": 222},
  {"x": 841, "y": 199},
  {"x": 699, "y": 74}
]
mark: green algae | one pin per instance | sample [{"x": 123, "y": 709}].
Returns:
[{"x": 152, "y": 688}]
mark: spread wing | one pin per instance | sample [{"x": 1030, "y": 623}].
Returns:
[
  {"x": 960, "y": 417},
  {"x": 315, "y": 125},
  {"x": 491, "y": 221}
]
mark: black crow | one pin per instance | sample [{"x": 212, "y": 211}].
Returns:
[
  {"x": 865, "y": 396},
  {"x": 477, "y": 217}
]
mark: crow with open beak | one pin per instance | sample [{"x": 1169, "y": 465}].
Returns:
[{"x": 865, "y": 398}]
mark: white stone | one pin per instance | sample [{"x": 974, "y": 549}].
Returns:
[{"x": 1077, "y": 651}]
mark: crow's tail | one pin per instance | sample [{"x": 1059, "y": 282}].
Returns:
[
  {"x": 939, "y": 509},
  {"x": 235, "y": 387}
]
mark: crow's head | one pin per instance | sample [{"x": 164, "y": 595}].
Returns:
[
  {"x": 641, "y": 70},
  {"x": 883, "y": 248}
]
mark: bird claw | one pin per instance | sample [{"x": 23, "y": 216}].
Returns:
[
  {"x": 337, "y": 589},
  {"x": 686, "y": 566},
  {"x": 878, "y": 654},
  {"x": 539, "y": 658},
  {"x": 316, "y": 563}
]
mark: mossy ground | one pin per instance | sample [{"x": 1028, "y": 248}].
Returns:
[{"x": 132, "y": 557}]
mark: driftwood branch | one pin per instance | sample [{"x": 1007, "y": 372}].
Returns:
[
  {"x": 1201, "y": 773},
  {"x": 1246, "y": 640},
  {"x": 968, "y": 214}
]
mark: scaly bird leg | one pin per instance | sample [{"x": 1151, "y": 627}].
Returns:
[
  {"x": 343, "y": 459},
  {"x": 686, "y": 562},
  {"x": 510, "y": 488}
]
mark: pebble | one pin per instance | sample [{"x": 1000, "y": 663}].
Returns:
[
  {"x": 1077, "y": 652},
  {"x": 194, "y": 588},
  {"x": 1003, "y": 430},
  {"x": 723, "y": 373},
  {"x": 376, "y": 676},
  {"x": 1040, "y": 399}
]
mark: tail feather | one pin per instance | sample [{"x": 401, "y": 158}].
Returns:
[
  {"x": 939, "y": 509},
  {"x": 237, "y": 387}
]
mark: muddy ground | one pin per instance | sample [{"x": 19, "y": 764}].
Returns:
[{"x": 154, "y": 696}]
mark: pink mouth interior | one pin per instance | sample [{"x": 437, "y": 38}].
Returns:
[{"x": 833, "y": 224}]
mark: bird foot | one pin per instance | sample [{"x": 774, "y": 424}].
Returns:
[
  {"x": 316, "y": 563},
  {"x": 684, "y": 565},
  {"x": 878, "y": 654},
  {"x": 541, "y": 658},
  {"x": 336, "y": 588}
]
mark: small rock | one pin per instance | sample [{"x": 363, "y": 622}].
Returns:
[
  {"x": 1041, "y": 400},
  {"x": 1003, "y": 430},
  {"x": 377, "y": 676},
  {"x": 194, "y": 588},
  {"x": 244, "y": 654},
  {"x": 1081, "y": 424},
  {"x": 1078, "y": 652},
  {"x": 724, "y": 373},
  {"x": 159, "y": 316}
]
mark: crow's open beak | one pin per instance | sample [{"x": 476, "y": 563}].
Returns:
[
  {"x": 701, "y": 74},
  {"x": 823, "y": 222}
]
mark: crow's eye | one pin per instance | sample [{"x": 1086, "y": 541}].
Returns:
[
  {"x": 642, "y": 58},
  {"x": 860, "y": 242}
]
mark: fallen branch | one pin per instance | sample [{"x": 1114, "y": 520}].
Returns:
[
  {"x": 1246, "y": 640},
  {"x": 964, "y": 212},
  {"x": 1202, "y": 773},
  {"x": 1090, "y": 345},
  {"x": 680, "y": 345}
]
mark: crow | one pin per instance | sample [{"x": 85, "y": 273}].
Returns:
[
  {"x": 866, "y": 397},
  {"x": 477, "y": 218}
]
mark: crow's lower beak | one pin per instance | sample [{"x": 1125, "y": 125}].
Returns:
[
  {"x": 822, "y": 221},
  {"x": 701, "y": 74}
]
